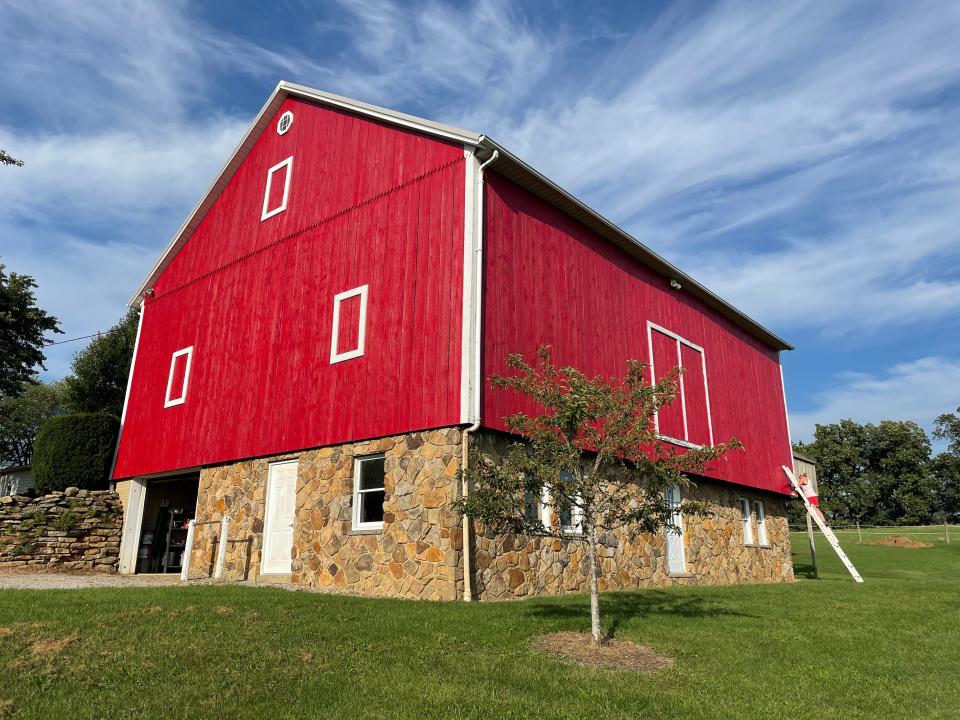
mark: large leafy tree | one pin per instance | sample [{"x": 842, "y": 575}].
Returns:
[
  {"x": 947, "y": 427},
  {"x": 23, "y": 329},
  {"x": 878, "y": 474},
  {"x": 592, "y": 449},
  {"x": 101, "y": 370},
  {"x": 946, "y": 465},
  {"x": 21, "y": 416}
]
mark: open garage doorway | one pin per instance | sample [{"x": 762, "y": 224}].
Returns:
[{"x": 155, "y": 526}]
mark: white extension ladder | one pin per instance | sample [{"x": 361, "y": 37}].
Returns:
[{"x": 827, "y": 532}]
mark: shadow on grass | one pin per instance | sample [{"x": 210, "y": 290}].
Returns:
[
  {"x": 804, "y": 570},
  {"x": 616, "y": 608}
]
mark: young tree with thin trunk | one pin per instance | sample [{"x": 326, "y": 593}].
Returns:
[{"x": 591, "y": 455}]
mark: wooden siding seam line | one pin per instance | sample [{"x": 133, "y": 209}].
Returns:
[{"x": 313, "y": 226}]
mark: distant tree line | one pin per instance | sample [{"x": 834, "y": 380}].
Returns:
[{"x": 886, "y": 474}]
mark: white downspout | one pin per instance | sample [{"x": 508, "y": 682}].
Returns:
[{"x": 478, "y": 338}]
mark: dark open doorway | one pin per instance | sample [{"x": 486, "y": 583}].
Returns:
[{"x": 169, "y": 505}]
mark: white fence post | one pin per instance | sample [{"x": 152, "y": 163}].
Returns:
[
  {"x": 187, "y": 552},
  {"x": 222, "y": 548}
]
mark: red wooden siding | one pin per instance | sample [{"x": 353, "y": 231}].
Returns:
[
  {"x": 368, "y": 205},
  {"x": 549, "y": 280}
]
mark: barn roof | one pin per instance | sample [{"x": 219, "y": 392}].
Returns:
[{"x": 506, "y": 164}]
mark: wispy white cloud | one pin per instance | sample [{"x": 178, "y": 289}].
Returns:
[{"x": 919, "y": 390}]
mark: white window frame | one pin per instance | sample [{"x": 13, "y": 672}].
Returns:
[
  {"x": 762, "y": 539},
  {"x": 680, "y": 342},
  {"x": 357, "y": 492},
  {"x": 358, "y": 351},
  {"x": 576, "y": 515},
  {"x": 746, "y": 516},
  {"x": 168, "y": 401},
  {"x": 674, "y": 499},
  {"x": 288, "y": 163},
  {"x": 284, "y": 130}
]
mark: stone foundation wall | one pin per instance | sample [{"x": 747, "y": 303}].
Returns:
[
  {"x": 509, "y": 566},
  {"x": 418, "y": 552},
  {"x": 416, "y": 555},
  {"x": 76, "y": 530}
]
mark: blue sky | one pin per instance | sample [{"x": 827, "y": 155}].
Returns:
[{"x": 802, "y": 159}]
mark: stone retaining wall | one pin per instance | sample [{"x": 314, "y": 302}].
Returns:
[{"x": 77, "y": 530}]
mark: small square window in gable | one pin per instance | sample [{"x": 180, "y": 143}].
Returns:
[
  {"x": 178, "y": 378},
  {"x": 348, "y": 338},
  {"x": 277, "y": 189}
]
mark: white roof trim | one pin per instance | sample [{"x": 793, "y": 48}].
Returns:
[
  {"x": 281, "y": 93},
  {"x": 573, "y": 205}
]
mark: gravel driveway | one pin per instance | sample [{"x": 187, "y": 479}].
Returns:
[{"x": 58, "y": 581}]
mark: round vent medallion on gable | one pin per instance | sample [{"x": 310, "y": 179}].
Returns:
[{"x": 284, "y": 123}]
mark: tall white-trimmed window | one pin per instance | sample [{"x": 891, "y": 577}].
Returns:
[
  {"x": 747, "y": 521},
  {"x": 179, "y": 377},
  {"x": 348, "y": 337},
  {"x": 761, "y": 523},
  {"x": 275, "y": 197},
  {"x": 369, "y": 492},
  {"x": 687, "y": 420},
  {"x": 676, "y": 555},
  {"x": 569, "y": 515}
]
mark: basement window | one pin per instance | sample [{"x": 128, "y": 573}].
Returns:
[
  {"x": 747, "y": 521},
  {"x": 569, "y": 514},
  {"x": 277, "y": 191},
  {"x": 369, "y": 492},
  {"x": 179, "y": 377},
  {"x": 762, "y": 538},
  {"x": 349, "y": 325}
]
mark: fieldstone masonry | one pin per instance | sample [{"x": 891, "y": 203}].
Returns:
[
  {"x": 418, "y": 552},
  {"x": 417, "y": 555},
  {"x": 513, "y": 566},
  {"x": 76, "y": 530}
]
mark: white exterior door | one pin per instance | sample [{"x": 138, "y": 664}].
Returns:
[
  {"x": 676, "y": 562},
  {"x": 278, "y": 525}
]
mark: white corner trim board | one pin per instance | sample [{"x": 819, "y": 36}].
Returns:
[
  {"x": 270, "y": 212},
  {"x": 684, "y": 441},
  {"x": 182, "y": 397},
  {"x": 335, "y": 356}
]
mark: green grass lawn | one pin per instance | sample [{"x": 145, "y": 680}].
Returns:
[{"x": 814, "y": 649}]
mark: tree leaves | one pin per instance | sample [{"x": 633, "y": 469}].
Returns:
[{"x": 23, "y": 327}]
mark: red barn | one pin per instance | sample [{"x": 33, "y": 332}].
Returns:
[{"x": 313, "y": 347}]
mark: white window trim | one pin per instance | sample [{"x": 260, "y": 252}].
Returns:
[
  {"x": 547, "y": 510},
  {"x": 680, "y": 341},
  {"x": 288, "y": 163},
  {"x": 746, "y": 517},
  {"x": 674, "y": 499},
  {"x": 280, "y": 130},
  {"x": 762, "y": 539},
  {"x": 168, "y": 401},
  {"x": 336, "y": 357},
  {"x": 357, "y": 492}
]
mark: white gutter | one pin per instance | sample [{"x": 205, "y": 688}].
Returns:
[{"x": 477, "y": 301}]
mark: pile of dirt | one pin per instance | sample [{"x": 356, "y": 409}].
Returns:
[
  {"x": 900, "y": 541},
  {"x": 613, "y": 654}
]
